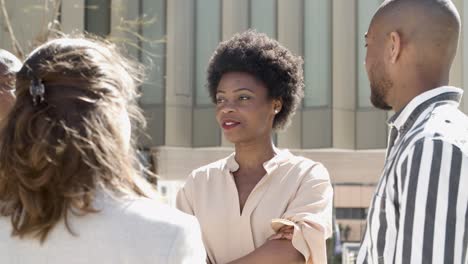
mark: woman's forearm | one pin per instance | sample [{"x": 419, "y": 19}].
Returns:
[{"x": 273, "y": 251}]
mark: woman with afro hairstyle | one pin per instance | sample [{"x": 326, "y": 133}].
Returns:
[{"x": 260, "y": 204}]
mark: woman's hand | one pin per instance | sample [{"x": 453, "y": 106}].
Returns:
[{"x": 285, "y": 232}]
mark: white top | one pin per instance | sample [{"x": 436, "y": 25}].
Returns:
[
  {"x": 295, "y": 191},
  {"x": 132, "y": 231},
  {"x": 399, "y": 119}
]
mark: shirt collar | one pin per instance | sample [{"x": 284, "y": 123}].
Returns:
[
  {"x": 280, "y": 157},
  {"x": 399, "y": 119}
]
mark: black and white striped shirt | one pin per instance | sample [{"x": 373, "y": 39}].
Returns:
[{"x": 419, "y": 210}]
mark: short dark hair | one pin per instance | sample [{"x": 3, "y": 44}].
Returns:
[{"x": 268, "y": 61}]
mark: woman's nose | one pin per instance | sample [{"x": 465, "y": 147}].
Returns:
[
  {"x": 226, "y": 110},
  {"x": 227, "y": 107}
]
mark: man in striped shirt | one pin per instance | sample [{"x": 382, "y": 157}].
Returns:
[{"x": 419, "y": 210}]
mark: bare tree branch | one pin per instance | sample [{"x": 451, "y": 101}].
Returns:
[
  {"x": 14, "y": 42},
  {"x": 51, "y": 26},
  {"x": 55, "y": 26}
]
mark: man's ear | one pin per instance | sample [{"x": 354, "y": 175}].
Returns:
[{"x": 395, "y": 46}]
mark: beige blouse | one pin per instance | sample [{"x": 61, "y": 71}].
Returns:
[{"x": 295, "y": 191}]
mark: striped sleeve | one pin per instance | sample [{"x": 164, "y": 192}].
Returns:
[{"x": 433, "y": 204}]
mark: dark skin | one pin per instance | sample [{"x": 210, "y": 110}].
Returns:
[
  {"x": 243, "y": 100},
  {"x": 246, "y": 114},
  {"x": 410, "y": 48},
  {"x": 246, "y": 180}
]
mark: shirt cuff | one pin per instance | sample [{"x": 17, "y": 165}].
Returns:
[{"x": 308, "y": 240}]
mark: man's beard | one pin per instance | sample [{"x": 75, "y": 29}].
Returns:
[{"x": 379, "y": 91}]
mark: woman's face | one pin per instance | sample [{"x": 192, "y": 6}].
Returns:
[{"x": 243, "y": 109}]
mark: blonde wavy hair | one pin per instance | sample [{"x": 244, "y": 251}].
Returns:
[{"x": 56, "y": 155}]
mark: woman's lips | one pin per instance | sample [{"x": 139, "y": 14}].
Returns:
[{"x": 229, "y": 124}]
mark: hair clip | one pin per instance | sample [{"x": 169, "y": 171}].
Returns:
[{"x": 37, "y": 90}]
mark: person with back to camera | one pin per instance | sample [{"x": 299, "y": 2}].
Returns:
[
  {"x": 70, "y": 190},
  {"x": 260, "y": 204}
]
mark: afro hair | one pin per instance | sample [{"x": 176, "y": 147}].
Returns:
[{"x": 268, "y": 61}]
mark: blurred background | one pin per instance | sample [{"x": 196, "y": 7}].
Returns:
[{"x": 335, "y": 125}]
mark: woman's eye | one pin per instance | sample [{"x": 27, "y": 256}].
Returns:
[
  {"x": 219, "y": 100},
  {"x": 244, "y": 97}
]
